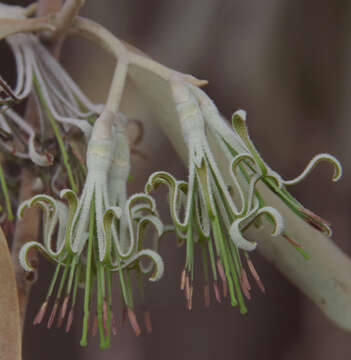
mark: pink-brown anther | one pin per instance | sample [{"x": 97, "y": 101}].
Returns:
[
  {"x": 133, "y": 321},
  {"x": 62, "y": 312},
  {"x": 216, "y": 291},
  {"x": 182, "y": 280},
  {"x": 41, "y": 313},
  {"x": 147, "y": 321},
  {"x": 52, "y": 315},
  {"x": 256, "y": 276},
  {"x": 69, "y": 321}
]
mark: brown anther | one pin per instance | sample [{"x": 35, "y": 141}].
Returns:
[
  {"x": 105, "y": 317},
  {"x": 245, "y": 285},
  {"x": 182, "y": 280},
  {"x": 223, "y": 278},
  {"x": 62, "y": 312},
  {"x": 69, "y": 321},
  {"x": 216, "y": 291},
  {"x": 190, "y": 298},
  {"x": 313, "y": 216},
  {"x": 255, "y": 275},
  {"x": 133, "y": 321},
  {"x": 147, "y": 321},
  {"x": 41, "y": 313},
  {"x": 261, "y": 286},
  {"x": 245, "y": 278},
  {"x": 95, "y": 326},
  {"x": 220, "y": 269},
  {"x": 292, "y": 241},
  {"x": 187, "y": 287},
  {"x": 52, "y": 315},
  {"x": 224, "y": 288},
  {"x": 207, "y": 295},
  {"x": 315, "y": 225}
]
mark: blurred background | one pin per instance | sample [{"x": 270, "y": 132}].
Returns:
[{"x": 288, "y": 64}]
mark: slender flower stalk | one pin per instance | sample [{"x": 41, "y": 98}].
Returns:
[{"x": 6, "y": 195}]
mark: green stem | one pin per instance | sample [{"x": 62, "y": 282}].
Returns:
[
  {"x": 53, "y": 281},
  {"x": 100, "y": 304},
  {"x": 83, "y": 341},
  {"x": 63, "y": 280},
  {"x": 56, "y": 130},
  {"x": 224, "y": 258},
  {"x": 124, "y": 289},
  {"x": 6, "y": 194},
  {"x": 204, "y": 262}
]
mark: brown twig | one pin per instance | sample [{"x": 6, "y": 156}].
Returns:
[{"x": 28, "y": 228}]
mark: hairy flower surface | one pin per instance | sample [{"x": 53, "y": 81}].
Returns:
[
  {"x": 220, "y": 201},
  {"x": 93, "y": 229},
  {"x": 94, "y": 237}
]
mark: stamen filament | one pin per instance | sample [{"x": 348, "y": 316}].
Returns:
[
  {"x": 6, "y": 194},
  {"x": 88, "y": 272},
  {"x": 55, "y": 128}
]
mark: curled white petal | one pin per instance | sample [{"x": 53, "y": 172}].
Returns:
[
  {"x": 238, "y": 239},
  {"x": 241, "y": 113},
  {"x": 21, "y": 209},
  {"x": 154, "y": 256},
  {"x": 41, "y": 160},
  {"x": 312, "y": 164},
  {"x": 276, "y": 217},
  {"x": 24, "y": 253}
]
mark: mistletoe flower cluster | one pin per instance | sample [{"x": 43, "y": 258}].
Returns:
[
  {"x": 97, "y": 237},
  {"x": 220, "y": 201},
  {"x": 93, "y": 230}
]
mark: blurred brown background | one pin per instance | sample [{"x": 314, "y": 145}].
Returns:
[{"x": 288, "y": 63}]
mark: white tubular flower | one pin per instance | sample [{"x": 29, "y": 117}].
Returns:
[
  {"x": 216, "y": 213},
  {"x": 80, "y": 244},
  {"x": 92, "y": 241},
  {"x": 57, "y": 93},
  {"x": 125, "y": 224},
  {"x": 241, "y": 152},
  {"x": 61, "y": 104},
  {"x": 55, "y": 217},
  {"x": 99, "y": 159},
  {"x": 119, "y": 172}
]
